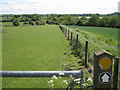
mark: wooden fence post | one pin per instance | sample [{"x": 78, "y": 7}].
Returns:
[
  {"x": 86, "y": 53},
  {"x": 68, "y": 34},
  {"x": 71, "y": 36},
  {"x": 116, "y": 71},
  {"x": 76, "y": 42},
  {"x": 102, "y": 69},
  {"x": 64, "y": 31}
]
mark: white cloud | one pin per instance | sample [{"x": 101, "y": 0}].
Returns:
[{"x": 59, "y": 6}]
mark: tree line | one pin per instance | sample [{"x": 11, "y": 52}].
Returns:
[{"x": 91, "y": 20}]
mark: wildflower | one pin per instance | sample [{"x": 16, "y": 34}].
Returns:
[
  {"x": 61, "y": 73},
  {"x": 65, "y": 81},
  {"x": 54, "y": 77},
  {"x": 78, "y": 82},
  {"x": 51, "y": 81},
  {"x": 89, "y": 80},
  {"x": 71, "y": 76},
  {"x": 78, "y": 79},
  {"x": 52, "y": 85}
]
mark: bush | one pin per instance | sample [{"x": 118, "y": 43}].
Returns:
[
  {"x": 16, "y": 22},
  {"x": 102, "y": 22},
  {"x": 26, "y": 23},
  {"x": 94, "y": 20},
  {"x": 113, "y": 21},
  {"x": 81, "y": 23},
  {"x": 50, "y": 22},
  {"x": 32, "y": 23},
  {"x": 38, "y": 22},
  {"x": 43, "y": 22}
]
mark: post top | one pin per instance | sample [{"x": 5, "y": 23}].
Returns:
[
  {"x": 100, "y": 52},
  {"x": 117, "y": 57}
]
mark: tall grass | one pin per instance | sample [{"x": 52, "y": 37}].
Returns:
[{"x": 97, "y": 41}]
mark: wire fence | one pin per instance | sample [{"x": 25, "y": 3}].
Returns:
[{"x": 81, "y": 45}]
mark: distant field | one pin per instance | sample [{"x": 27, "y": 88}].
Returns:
[
  {"x": 32, "y": 48},
  {"x": 5, "y": 23},
  {"x": 107, "y": 32}
]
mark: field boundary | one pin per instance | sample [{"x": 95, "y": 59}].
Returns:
[{"x": 66, "y": 32}]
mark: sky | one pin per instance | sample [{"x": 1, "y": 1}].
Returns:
[{"x": 58, "y": 6}]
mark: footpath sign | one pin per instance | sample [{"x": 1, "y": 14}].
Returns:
[{"x": 102, "y": 69}]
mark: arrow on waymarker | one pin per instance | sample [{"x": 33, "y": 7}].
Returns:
[{"x": 105, "y": 78}]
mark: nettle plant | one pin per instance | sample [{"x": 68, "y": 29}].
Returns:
[{"x": 86, "y": 84}]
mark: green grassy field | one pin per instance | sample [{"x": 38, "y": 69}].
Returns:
[
  {"x": 32, "y": 48},
  {"x": 42, "y": 48},
  {"x": 106, "y": 32}
]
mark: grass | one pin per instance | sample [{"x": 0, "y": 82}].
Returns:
[
  {"x": 36, "y": 48},
  {"x": 32, "y": 48},
  {"x": 42, "y": 48},
  {"x": 98, "y": 38},
  {"x": 106, "y": 32},
  {"x": 9, "y": 23}
]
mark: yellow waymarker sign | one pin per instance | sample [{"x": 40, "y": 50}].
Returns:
[{"x": 105, "y": 63}]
